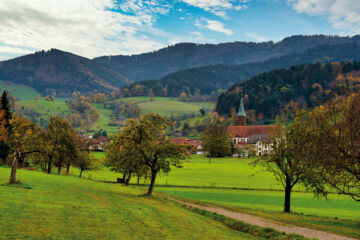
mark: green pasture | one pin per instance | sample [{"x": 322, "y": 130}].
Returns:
[
  {"x": 197, "y": 172},
  {"x": 21, "y": 92},
  {"x": 103, "y": 121},
  {"x": 199, "y": 181},
  {"x": 167, "y": 106},
  {"x": 67, "y": 207},
  {"x": 45, "y": 108},
  {"x": 338, "y": 214}
]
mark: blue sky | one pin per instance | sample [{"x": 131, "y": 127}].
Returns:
[{"x": 109, "y": 27}]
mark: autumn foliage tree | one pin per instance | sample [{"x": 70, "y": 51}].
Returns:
[
  {"x": 334, "y": 154},
  {"x": 145, "y": 139},
  {"x": 216, "y": 141},
  {"x": 24, "y": 140},
  {"x": 288, "y": 159}
]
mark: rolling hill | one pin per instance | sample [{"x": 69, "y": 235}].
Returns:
[
  {"x": 157, "y": 64},
  {"x": 62, "y": 72},
  {"x": 267, "y": 94},
  {"x": 209, "y": 79}
]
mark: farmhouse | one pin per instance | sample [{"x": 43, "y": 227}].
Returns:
[
  {"x": 195, "y": 146},
  {"x": 249, "y": 139}
]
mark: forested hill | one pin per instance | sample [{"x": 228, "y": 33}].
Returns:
[
  {"x": 209, "y": 79},
  {"x": 63, "y": 72},
  {"x": 157, "y": 64},
  {"x": 270, "y": 94},
  {"x": 60, "y": 71}
]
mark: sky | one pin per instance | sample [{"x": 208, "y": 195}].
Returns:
[{"x": 92, "y": 28}]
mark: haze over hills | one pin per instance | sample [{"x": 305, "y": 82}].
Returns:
[{"x": 55, "y": 70}]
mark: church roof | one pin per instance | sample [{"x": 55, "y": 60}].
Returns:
[
  {"x": 241, "y": 112},
  {"x": 259, "y": 137},
  {"x": 247, "y": 131}
]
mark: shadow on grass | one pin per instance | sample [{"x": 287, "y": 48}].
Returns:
[{"x": 17, "y": 185}]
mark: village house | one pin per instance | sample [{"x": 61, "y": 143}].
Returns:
[
  {"x": 195, "y": 146},
  {"x": 249, "y": 140},
  {"x": 98, "y": 144}
]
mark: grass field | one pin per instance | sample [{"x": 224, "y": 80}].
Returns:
[
  {"x": 20, "y": 91},
  {"x": 66, "y": 207},
  {"x": 162, "y": 105},
  {"x": 198, "y": 175},
  {"x": 221, "y": 172},
  {"x": 104, "y": 119},
  {"x": 340, "y": 214},
  {"x": 167, "y": 106},
  {"x": 45, "y": 108}
]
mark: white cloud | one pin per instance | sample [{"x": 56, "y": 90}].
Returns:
[
  {"x": 86, "y": 27},
  {"x": 343, "y": 14},
  {"x": 218, "y": 27},
  {"x": 218, "y": 7},
  {"x": 256, "y": 37}
]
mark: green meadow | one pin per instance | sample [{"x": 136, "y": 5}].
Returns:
[
  {"x": 214, "y": 184},
  {"x": 167, "y": 106},
  {"x": 103, "y": 121},
  {"x": 45, "y": 108},
  {"x": 162, "y": 105},
  {"x": 67, "y": 207},
  {"x": 197, "y": 172},
  {"x": 20, "y": 91}
]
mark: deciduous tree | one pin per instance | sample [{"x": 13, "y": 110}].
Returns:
[
  {"x": 335, "y": 149},
  {"x": 146, "y": 137},
  {"x": 288, "y": 159},
  {"x": 23, "y": 140},
  {"x": 216, "y": 141}
]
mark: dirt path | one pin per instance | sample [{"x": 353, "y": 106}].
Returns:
[{"x": 266, "y": 223}]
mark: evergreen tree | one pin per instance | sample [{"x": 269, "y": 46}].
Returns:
[{"x": 5, "y": 106}]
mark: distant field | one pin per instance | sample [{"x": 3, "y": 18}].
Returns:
[
  {"x": 104, "y": 119},
  {"x": 45, "y": 108},
  {"x": 167, "y": 106},
  {"x": 221, "y": 172},
  {"x": 66, "y": 207},
  {"x": 20, "y": 91}
]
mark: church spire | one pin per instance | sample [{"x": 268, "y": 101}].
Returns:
[{"x": 241, "y": 114}]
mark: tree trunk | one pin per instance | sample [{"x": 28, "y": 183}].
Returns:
[
  {"x": 59, "y": 169},
  {"x": 67, "y": 169},
  {"x": 288, "y": 188},
  {"x": 124, "y": 178},
  {"x": 49, "y": 167},
  {"x": 81, "y": 170},
  {"x": 14, "y": 167},
  {"x": 128, "y": 179},
  {"x": 152, "y": 183},
  {"x": 138, "y": 180}
]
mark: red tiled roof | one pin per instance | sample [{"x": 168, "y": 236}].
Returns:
[
  {"x": 247, "y": 131},
  {"x": 187, "y": 141},
  {"x": 179, "y": 140}
]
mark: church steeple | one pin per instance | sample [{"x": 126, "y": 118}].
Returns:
[{"x": 241, "y": 114}]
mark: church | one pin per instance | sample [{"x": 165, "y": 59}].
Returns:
[{"x": 249, "y": 140}]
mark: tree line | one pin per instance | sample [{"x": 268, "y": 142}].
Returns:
[
  {"x": 269, "y": 94},
  {"x": 23, "y": 142},
  {"x": 209, "y": 81}
]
